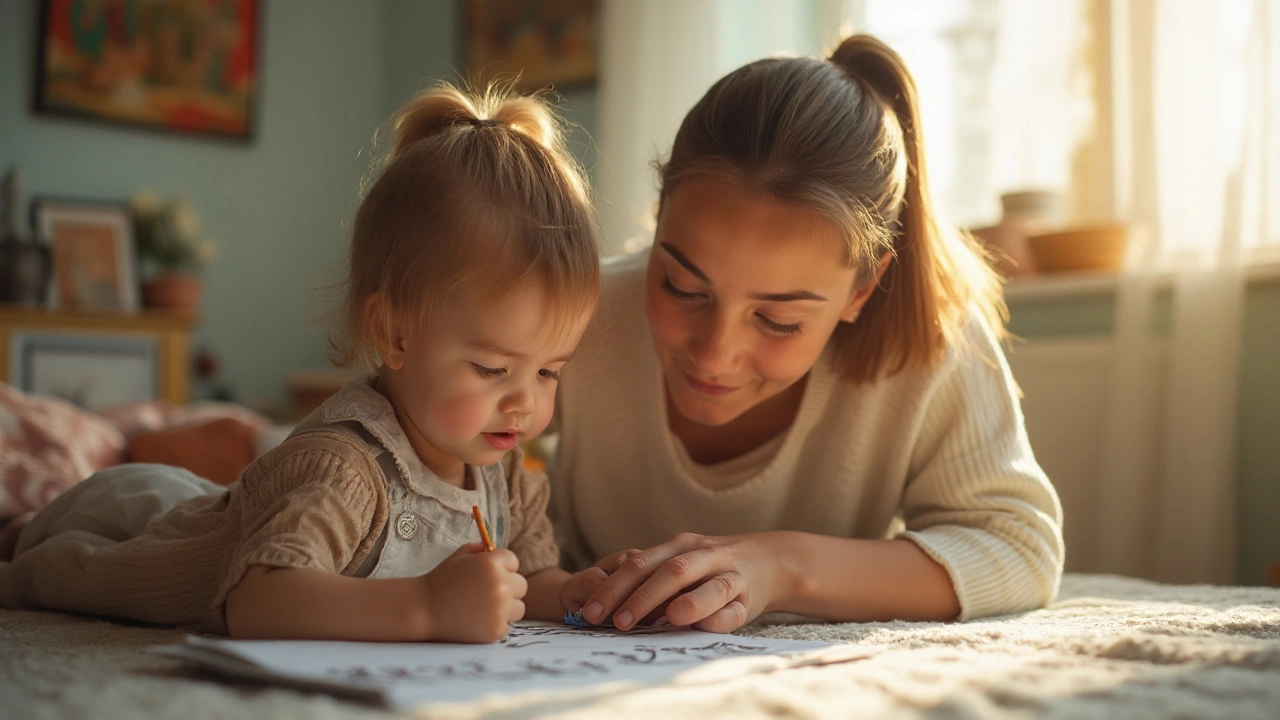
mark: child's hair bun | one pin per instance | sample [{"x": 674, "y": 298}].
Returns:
[{"x": 445, "y": 108}]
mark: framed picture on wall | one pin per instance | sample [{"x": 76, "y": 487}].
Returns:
[
  {"x": 92, "y": 251},
  {"x": 92, "y": 371},
  {"x": 184, "y": 66},
  {"x": 545, "y": 42}
]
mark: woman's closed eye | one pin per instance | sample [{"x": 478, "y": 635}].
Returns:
[
  {"x": 778, "y": 328},
  {"x": 675, "y": 292}
]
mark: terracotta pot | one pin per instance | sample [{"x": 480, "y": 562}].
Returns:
[{"x": 177, "y": 292}]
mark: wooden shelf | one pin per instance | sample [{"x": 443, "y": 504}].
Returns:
[{"x": 170, "y": 331}]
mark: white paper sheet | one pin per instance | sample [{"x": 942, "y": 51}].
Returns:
[{"x": 534, "y": 657}]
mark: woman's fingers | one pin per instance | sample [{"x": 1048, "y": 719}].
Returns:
[
  {"x": 611, "y": 563},
  {"x": 630, "y": 574},
  {"x": 726, "y": 619},
  {"x": 706, "y": 599},
  {"x": 665, "y": 581}
]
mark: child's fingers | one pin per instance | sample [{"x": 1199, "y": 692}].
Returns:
[
  {"x": 580, "y": 586},
  {"x": 518, "y": 584},
  {"x": 507, "y": 560},
  {"x": 515, "y": 611}
]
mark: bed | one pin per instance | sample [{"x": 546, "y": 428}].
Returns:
[{"x": 1108, "y": 647}]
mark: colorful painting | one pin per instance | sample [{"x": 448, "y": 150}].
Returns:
[
  {"x": 545, "y": 42},
  {"x": 186, "y": 66}
]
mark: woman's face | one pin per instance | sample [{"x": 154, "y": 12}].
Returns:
[{"x": 742, "y": 295}]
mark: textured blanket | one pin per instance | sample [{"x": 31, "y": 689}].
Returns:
[{"x": 1108, "y": 647}]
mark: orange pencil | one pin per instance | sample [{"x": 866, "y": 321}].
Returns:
[{"x": 484, "y": 532}]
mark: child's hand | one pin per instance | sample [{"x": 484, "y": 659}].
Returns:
[
  {"x": 474, "y": 595},
  {"x": 579, "y": 587}
]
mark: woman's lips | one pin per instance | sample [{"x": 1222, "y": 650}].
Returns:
[{"x": 706, "y": 387}]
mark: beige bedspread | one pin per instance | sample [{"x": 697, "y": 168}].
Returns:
[{"x": 1109, "y": 647}]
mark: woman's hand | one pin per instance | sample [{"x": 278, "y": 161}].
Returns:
[
  {"x": 712, "y": 583},
  {"x": 474, "y": 595}
]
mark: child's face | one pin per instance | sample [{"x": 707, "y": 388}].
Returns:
[
  {"x": 742, "y": 294},
  {"x": 478, "y": 379}
]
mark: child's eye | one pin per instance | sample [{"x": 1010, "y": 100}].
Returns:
[
  {"x": 676, "y": 292},
  {"x": 488, "y": 373},
  {"x": 781, "y": 328},
  {"x": 549, "y": 375}
]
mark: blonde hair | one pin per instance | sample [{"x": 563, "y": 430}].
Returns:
[
  {"x": 477, "y": 194},
  {"x": 842, "y": 137}
]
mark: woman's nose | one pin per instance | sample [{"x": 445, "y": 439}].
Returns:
[{"x": 715, "y": 347}]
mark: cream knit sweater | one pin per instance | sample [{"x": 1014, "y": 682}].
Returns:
[{"x": 941, "y": 449}]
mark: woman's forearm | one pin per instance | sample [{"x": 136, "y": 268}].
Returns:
[
  {"x": 307, "y": 603},
  {"x": 859, "y": 580}
]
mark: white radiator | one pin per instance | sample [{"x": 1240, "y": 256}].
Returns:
[{"x": 1066, "y": 400}]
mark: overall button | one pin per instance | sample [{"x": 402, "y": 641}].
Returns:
[{"x": 406, "y": 525}]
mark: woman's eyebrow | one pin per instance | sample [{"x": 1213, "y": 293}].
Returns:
[
  {"x": 787, "y": 296},
  {"x": 767, "y": 297},
  {"x": 680, "y": 258}
]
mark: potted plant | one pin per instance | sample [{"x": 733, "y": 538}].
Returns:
[{"x": 172, "y": 248}]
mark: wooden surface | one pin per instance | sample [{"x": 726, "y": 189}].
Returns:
[{"x": 170, "y": 331}]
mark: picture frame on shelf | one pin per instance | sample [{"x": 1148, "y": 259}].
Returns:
[
  {"x": 92, "y": 250},
  {"x": 166, "y": 65},
  {"x": 94, "y": 371},
  {"x": 537, "y": 43}
]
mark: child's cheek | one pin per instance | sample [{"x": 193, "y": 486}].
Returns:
[{"x": 464, "y": 415}]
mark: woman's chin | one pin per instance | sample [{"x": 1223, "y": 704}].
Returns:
[{"x": 706, "y": 412}]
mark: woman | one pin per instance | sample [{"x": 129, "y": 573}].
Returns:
[{"x": 796, "y": 399}]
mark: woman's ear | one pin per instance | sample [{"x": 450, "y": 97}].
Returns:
[
  {"x": 863, "y": 293},
  {"x": 383, "y": 331}
]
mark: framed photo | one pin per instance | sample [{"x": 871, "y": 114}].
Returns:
[
  {"x": 184, "y": 66},
  {"x": 547, "y": 42},
  {"x": 92, "y": 371},
  {"x": 92, "y": 253}
]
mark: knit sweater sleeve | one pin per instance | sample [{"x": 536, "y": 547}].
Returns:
[
  {"x": 976, "y": 500},
  {"x": 532, "y": 537},
  {"x": 316, "y": 501}
]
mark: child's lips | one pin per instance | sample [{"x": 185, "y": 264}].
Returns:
[{"x": 504, "y": 440}]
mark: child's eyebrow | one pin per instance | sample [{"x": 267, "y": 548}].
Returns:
[
  {"x": 496, "y": 349},
  {"x": 767, "y": 297}
]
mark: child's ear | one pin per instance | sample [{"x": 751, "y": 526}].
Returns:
[{"x": 384, "y": 331}]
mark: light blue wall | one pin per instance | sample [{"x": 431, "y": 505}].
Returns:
[
  {"x": 423, "y": 46},
  {"x": 276, "y": 205},
  {"x": 331, "y": 72}
]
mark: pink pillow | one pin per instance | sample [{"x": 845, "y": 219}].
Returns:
[{"x": 47, "y": 445}]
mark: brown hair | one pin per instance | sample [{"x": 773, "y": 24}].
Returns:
[
  {"x": 477, "y": 194},
  {"x": 842, "y": 137}
]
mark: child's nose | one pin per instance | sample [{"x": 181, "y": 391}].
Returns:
[{"x": 518, "y": 402}]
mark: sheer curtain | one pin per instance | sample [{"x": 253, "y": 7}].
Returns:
[{"x": 1196, "y": 128}]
